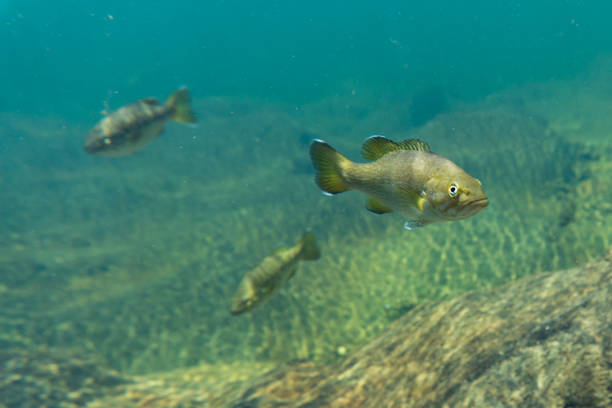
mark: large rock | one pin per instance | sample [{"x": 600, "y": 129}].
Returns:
[
  {"x": 544, "y": 341},
  {"x": 541, "y": 342}
]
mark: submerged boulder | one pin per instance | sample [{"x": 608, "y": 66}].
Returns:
[{"x": 544, "y": 341}]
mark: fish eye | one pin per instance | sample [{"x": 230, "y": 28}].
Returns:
[
  {"x": 453, "y": 190},
  {"x": 106, "y": 141}
]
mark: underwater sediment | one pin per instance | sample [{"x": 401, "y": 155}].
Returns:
[
  {"x": 102, "y": 278},
  {"x": 41, "y": 377},
  {"x": 544, "y": 341},
  {"x": 144, "y": 281}
]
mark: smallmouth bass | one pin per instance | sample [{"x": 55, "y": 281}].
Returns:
[
  {"x": 264, "y": 281},
  {"x": 405, "y": 177},
  {"x": 133, "y": 126}
]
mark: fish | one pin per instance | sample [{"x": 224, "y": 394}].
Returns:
[
  {"x": 264, "y": 281},
  {"x": 404, "y": 177},
  {"x": 130, "y": 128}
]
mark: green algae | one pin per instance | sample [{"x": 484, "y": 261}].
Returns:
[{"x": 138, "y": 260}]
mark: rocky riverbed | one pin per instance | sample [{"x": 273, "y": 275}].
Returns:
[{"x": 543, "y": 341}]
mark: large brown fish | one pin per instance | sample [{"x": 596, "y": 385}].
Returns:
[
  {"x": 405, "y": 177},
  {"x": 131, "y": 127},
  {"x": 263, "y": 282}
]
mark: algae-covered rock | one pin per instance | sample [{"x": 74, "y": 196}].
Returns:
[{"x": 541, "y": 342}]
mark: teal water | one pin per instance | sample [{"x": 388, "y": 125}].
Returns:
[
  {"x": 132, "y": 261},
  {"x": 67, "y": 57}
]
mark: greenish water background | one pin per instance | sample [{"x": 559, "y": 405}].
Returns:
[
  {"x": 70, "y": 56},
  {"x": 134, "y": 260}
]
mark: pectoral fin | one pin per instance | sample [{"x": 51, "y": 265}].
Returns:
[
  {"x": 377, "y": 207},
  {"x": 411, "y": 197},
  {"x": 420, "y": 202},
  {"x": 413, "y": 224}
]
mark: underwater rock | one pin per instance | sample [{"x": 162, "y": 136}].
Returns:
[{"x": 543, "y": 341}]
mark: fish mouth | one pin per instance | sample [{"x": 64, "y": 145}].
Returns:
[{"x": 479, "y": 203}]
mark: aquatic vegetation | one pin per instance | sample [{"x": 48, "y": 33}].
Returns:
[
  {"x": 143, "y": 301},
  {"x": 541, "y": 341},
  {"x": 35, "y": 377},
  {"x": 141, "y": 263},
  {"x": 538, "y": 342}
]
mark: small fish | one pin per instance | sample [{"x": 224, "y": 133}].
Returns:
[
  {"x": 405, "y": 177},
  {"x": 263, "y": 282},
  {"x": 133, "y": 126}
]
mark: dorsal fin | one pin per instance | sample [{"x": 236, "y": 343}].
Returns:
[
  {"x": 150, "y": 101},
  {"x": 377, "y": 146},
  {"x": 414, "y": 144}
]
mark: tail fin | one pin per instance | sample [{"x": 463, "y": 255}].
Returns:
[
  {"x": 329, "y": 164},
  {"x": 180, "y": 101},
  {"x": 310, "y": 250}
]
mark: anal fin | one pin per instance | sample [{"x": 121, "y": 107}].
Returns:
[{"x": 377, "y": 207}]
